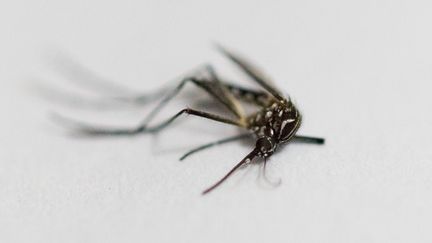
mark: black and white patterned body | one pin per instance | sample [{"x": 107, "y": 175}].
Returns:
[{"x": 274, "y": 125}]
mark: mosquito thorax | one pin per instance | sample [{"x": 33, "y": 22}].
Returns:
[{"x": 278, "y": 122}]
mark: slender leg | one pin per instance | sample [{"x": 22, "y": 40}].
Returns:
[
  {"x": 83, "y": 128},
  {"x": 209, "y": 145},
  {"x": 143, "y": 99},
  {"x": 167, "y": 98},
  {"x": 82, "y": 76},
  {"x": 92, "y": 130},
  {"x": 306, "y": 139},
  {"x": 170, "y": 96},
  {"x": 86, "y": 129},
  {"x": 207, "y": 115}
]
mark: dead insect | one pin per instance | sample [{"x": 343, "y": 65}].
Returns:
[{"x": 276, "y": 122}]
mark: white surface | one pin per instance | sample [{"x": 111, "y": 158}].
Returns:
[{"x": 360, "y": 71}]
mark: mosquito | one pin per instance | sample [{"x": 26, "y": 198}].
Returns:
[{"x": 274, "y": 123}]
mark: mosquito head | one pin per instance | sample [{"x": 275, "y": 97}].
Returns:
[{"x": 265, "y": 146}]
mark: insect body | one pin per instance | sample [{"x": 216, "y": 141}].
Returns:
[
  {"x": 275, "y": 122},
  {"x": 274, "y": 125}
]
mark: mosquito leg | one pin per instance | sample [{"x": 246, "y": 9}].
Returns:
[
  {"x": 82, "y": 76},
  {"x": 93, "y": 130},
  {"x": 200, "y": 83},
  {"x": 82, "y": 128},
  {"x": 203, "y": 114},
  {"x": 86, "y": 129},
  {"x": 167, "y": 98},
  {"x": 142, "y": 98},
  {"x": 306, "y": 139},
  {"x": 209, "y": 145}
]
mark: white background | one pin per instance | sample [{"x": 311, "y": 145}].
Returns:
[{"x": 360, "y": 71}]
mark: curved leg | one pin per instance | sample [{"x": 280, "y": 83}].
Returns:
[{"x": 212, "y": 144}]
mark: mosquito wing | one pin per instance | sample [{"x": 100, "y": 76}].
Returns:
[{"x": 253, "y": 72}]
